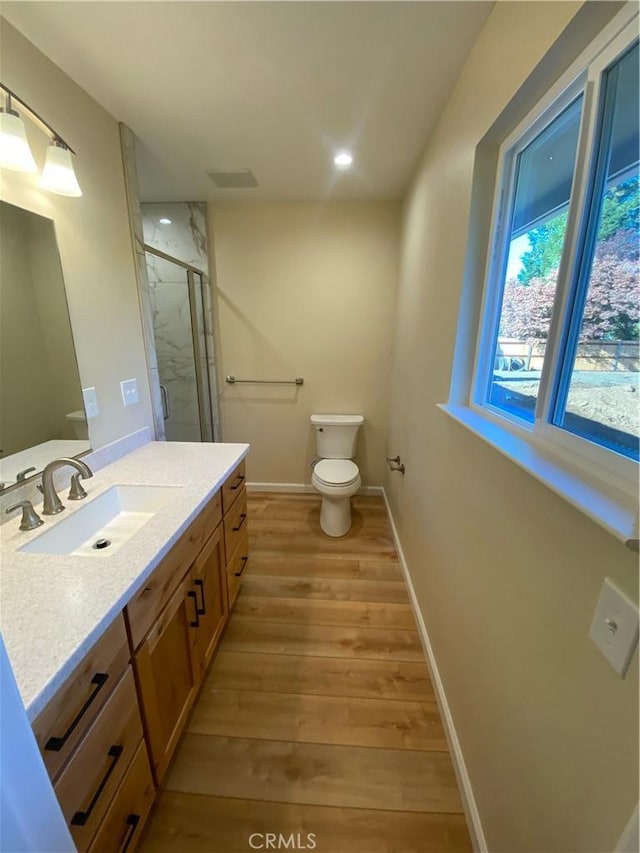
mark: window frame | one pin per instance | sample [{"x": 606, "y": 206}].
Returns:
[{"x": 586, "y": 77}]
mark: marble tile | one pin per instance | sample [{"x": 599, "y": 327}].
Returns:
[
  {"x": 157, "y": 405},
  {"x": 185, "y": 238}
]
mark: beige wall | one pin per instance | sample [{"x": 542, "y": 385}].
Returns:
[
  {"x": 507, "y": 574},
  {"x": 308, "y": 290},
  {"x": 92, "y": 231}
]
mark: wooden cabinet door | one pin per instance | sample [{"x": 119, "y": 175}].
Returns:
[
  {"x": 208, "y": 581},
  {"x": 168, "y": 674}
]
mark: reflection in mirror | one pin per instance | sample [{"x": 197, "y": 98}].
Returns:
[{"x": 41, "y": 411}]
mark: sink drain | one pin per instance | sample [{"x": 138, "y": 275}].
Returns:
[{"x": 99, "y": 544}]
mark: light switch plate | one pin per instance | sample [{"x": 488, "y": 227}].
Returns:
[
  {"x": 129, "y": 391},
  {"x": 614, "y": 629},
  {"x": 90, "y": 398}
]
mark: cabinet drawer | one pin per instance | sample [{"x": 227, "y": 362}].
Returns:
[
  {"x": 64, "y": 721},
  {"x": 235, "y": 524},
  {"x": 232, "y": 486},
  {"x": 236, "y": 567},
  {"x": 88, "y": 782},
  {"x": 121, "y": 828},
  {"x": 144, "y": 608}
]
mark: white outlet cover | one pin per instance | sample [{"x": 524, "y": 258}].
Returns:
[
  {"x": 90, "y": 399},
  {"x": 129, "y": 389},
  {"x": 614, "y": 628}
]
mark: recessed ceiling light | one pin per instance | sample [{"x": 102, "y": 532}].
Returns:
[
  {"x": 343, "y": 159},
  {"x": 164, "y": 221}
]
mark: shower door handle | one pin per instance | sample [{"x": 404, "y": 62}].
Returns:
[{"x": 166, "y": 411}]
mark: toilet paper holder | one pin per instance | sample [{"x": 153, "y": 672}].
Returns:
[{"x": 395, "y": 464}]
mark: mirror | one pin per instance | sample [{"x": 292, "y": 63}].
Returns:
[{"x": 41, "y": 411}]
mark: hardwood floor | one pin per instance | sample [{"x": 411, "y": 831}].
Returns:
[{"x": 317, "y": 719}]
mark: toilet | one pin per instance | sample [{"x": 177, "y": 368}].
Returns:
[
  {"x": 336, "y": 475},
  {"x": 78, "y": 421}
]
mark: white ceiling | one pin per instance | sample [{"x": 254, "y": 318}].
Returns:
[{"x": 276, "y": 87}]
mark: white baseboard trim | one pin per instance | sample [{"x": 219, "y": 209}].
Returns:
[
  {"x": 464, "y": 783},
  {"x": 305, "y": 488}
]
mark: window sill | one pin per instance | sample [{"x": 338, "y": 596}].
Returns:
[{"x": 611, "y": 509}]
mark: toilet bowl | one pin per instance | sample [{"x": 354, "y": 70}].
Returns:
[
  {"x": 78, "y": 421},
  {"x": 336, "y": 480},
  {"x": 336, "y": 476}
]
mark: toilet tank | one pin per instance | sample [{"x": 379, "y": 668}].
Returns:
[{"x": 336, "y": 435}]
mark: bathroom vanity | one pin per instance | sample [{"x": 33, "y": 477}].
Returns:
[{"x": 112, "y": 662}]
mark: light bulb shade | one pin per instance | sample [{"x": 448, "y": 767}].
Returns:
[
  {"x": 58, "y": 175},
  {"x": 15, "y": 153}
]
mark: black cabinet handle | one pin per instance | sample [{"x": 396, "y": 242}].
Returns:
[
  {"x": 239, "y": 483},
  {"x": 195, "y": 624},
  {"x": 132, "y": 822},
  {"x": 56, "y": 743},
  {"x": 244, "y": 563},
  {"x": 243, "y": 518},
  {"x": 80, "y": 818},
  {"x": 201, "y": 611}
]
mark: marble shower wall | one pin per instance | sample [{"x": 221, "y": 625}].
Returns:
[{"x": 184, "y": 238}]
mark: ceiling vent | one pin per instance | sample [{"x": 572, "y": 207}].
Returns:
[{"x": 242, "y": 179}]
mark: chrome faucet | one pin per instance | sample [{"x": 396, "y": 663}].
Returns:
[{"x": 52, "y": 503}]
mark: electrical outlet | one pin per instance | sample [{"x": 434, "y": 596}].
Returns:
[
  {"x": 90, "y": 398},
  {"x": 129, "y": 391},
  {"x": 614, "y": 629}
]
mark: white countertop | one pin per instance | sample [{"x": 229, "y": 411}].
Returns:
[
  {"x": 38, "y": 456},
  {"x": 54, "y": 608}
]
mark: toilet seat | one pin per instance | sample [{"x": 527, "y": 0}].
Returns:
[{"x": 336, "y": 472}]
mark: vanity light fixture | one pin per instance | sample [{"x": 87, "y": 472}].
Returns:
[
  {"x": 343, "y": 160},
  {"x": 15, "y": 153},
  {"x": 58, "y": 175}
]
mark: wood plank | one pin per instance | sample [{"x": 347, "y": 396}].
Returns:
[
  {"x": 328, "y": 589},
  {"x": 322, "y": 640},
  {"x": 324, "y": 567},
  {"x": 316, "y": 612},
  {"x": 372, "y": 679},
  {"x": 373, "y": 547},
  {"x": 290, "y": 524},
  {"x": 190, "y": 823},
  {"x": 318, "y": 719},
  {"x": 315, "y": 774}
]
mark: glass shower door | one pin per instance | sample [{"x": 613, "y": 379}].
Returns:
[{"x": 177, "y": 302}]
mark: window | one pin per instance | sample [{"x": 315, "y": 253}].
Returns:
[{"x": 558, "y": 356}]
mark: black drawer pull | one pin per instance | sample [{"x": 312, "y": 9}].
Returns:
[
  {"x": 243, "y": 518},
  {"x": 201, "y": 611},
  {"x": 132, "y": 822},
  {"x": 238, "y": 484},
  {"x": 56, "y": 743},
  {"x": 80, "y": 818},
  {"x": 244, "y": 563},
  {"x": 195, "y": 624}
]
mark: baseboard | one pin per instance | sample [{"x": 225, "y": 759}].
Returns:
[
  {"x": 305, "y": 488},
  {"x": 464, "y": 783}
]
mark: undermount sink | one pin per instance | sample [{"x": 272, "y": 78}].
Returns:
[{"x": 104, "y": 524}]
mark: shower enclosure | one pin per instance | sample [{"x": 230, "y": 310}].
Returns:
[{"x": 182, "y": 343}]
